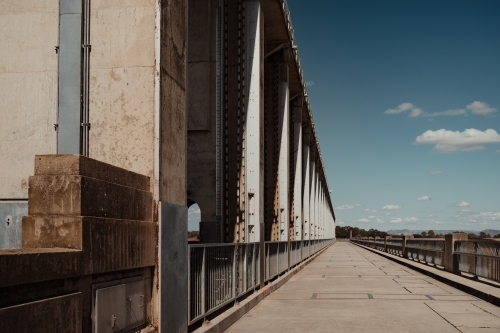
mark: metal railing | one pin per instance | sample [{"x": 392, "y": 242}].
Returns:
[
  {"x": 220, "y": 273},
  {"x": 478, "y": 257}
]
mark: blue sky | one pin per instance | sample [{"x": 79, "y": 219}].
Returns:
[{"x": 406, "y": 100}]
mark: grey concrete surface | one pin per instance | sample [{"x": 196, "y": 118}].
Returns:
[{"x": 350, "y": 289}]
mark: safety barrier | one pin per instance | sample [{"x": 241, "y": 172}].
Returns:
[
  {"x": 455, "y": 253},
  {"x": 221, "y": 273},
  {"x": 479, "y": 257}
]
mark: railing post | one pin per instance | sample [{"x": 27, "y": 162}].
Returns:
[
  {"x": 262, "y": 255},
  {"x": 235, "y": 290},
  {"x": 203, "y": 274},
  {"x": 449, "y": 245},
  {"x": 385, "y": 242}
]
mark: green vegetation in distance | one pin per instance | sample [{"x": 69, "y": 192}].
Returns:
[{"x": 344, "y": 232}]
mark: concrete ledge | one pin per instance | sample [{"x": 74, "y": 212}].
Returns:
[
  {"x": 58, "y": 314},
  {"x": 84, "y": 196},
  {"x": 480, "y": 290},
  {"x": 229, "y": 317},
  {"x": 78, "y": 165},
  {"x": 35, "y": 265}
]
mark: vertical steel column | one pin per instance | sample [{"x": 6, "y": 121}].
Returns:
[
  {"x": 312, "y": 197},
  {"x": 306, "y": 184},
  {"x": 251, "y": 142},
  {"x": 284, "y": 158},
  {"x": 297, "y": 190},
  {"x": 316, "y": 203},
  {"x": 219, "y": 102},
  {"x": 69, "y": 77}
]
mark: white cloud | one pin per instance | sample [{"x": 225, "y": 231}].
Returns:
[
  {"x": 486, "y": 218},
  {"x": 358, "y": 205},
  {"x": 391, "y": 207},
  {"x": 400, "y": 108},
  {"x": 476, "y": 108},
  {"x": 380, "y": 221},
  {"x": 363, "y": 220},
  {"x": 411, "y": 219},
  {"x": 387, "y": 214},
  {"x": 424, "y": 198},
  {"x": 370, "y": 210},
  {"x": 395, "y": 220},
  {"x": 371, "y": 216},
  {"x": 463, "y": 204},
  {"x": 344, "y": 207},
  {"x": 457, "y": 112},
  {"x": 310, "y": 83},
  {"x": 436, "y": 172},
  {"x": 416, "y": 112},
  {"x": 447, "y": 141},
  {"x": 481, "y": 108}
]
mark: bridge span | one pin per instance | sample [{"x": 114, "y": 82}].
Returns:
[{"x": 348, "y": 288}]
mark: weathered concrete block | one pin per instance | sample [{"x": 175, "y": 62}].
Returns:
[
  {"x": 107, "y": 244},
  {"x": 49, "y": 231},
  {"x": 113, "y": 245},
  {"x": 35, "y": 265},
  {"x": 77, "y": 165},
  {"x": 84, "y": 196},
  {"x": 59, "y": 314}
]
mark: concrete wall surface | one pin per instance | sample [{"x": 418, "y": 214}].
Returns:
[
  {"x": 28, "y": 89},
  {"x": 173, "y": 102},
  {"x": 122, "y": 83}
]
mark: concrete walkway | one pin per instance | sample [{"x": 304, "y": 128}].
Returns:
[{"x": 350, "y": 289}]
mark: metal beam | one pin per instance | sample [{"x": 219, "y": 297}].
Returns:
[
  {"x": 284, "y": 158},
  {"x": 69, "y": 76},
  {"x": 251, "y": 144}
]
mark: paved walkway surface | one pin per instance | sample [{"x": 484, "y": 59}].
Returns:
[{"x": 350, "y": 289}]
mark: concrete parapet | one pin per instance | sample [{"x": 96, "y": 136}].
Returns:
[{"x": 449, "y": 243}]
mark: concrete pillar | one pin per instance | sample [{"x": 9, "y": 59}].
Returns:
[
  {"x": 297, "y": 190},
  {"x": 405, "y": 253},
  {"x": 350, "y": 234},
  {"x": 385, "y": 242},
  {"x": 306, "y": 184},
  {"x": 449, "y": 244}
]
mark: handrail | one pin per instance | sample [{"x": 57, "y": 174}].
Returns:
[{"x": 221, "y": 273}]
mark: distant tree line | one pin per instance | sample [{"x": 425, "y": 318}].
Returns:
[
  {"x": 432, "y": 234},
  {"x": 343, "y": 232}
]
